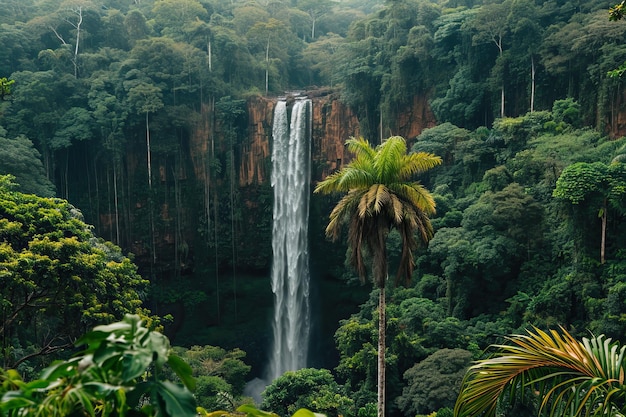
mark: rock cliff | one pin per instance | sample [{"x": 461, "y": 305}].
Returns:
[{"x": 333, "y": 123}]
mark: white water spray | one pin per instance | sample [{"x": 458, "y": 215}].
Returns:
[{"x": 290, "y": 269}]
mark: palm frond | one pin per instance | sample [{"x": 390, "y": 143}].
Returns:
[
  {"x": 569, "y": 377},
  {"x": 417, "y": 163},
  {"x": 378, "y": 198},
  {"x": 389, "y": 158},
  {"x": 416, "y": 195},
  {"x": 381, "y": 199},
  {"x": 348, "y": 178},
  {"x": 341, "y": 213},
  {"x": 360, "y": 148}
]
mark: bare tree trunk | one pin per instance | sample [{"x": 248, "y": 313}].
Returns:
[
  {"x": 232, "y": 223},
  {"x": 148, "y": 152},
  {"x": 115, "y": 197},
  {"x": 151, "y": 203},
  {"x": 532, "y": 83},
  {"x": 498, "y": 43},
  {"x": 109, "y": 204},
  {"x": 267, "y": 65},
  {"x": 603, "y": 239},
  {"x": 208, "y": 47},
  {"x": 502, "y": 101},
  {"x": 215, "y": 213},
  {"x": 79, "y": 13},
  {"x": 381, "y": 351}
]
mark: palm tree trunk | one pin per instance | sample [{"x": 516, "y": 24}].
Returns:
[{"x": 381, "y": 351}]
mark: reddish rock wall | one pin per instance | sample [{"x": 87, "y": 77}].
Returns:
[
  {"x": 333, "y": 123},
  {"x": 416, "y": 118}
]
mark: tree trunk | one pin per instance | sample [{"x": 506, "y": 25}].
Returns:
[
  {"x": 150, "y": 189},
  {"x": 532, "y": 83},
  {"x": 502, "y": 101},
  {"x": 215, "y": 213},
  {"x": 79, "y": 13},
  {"x": 148, "y": 152},
  {"x": 115, "y": 197},
  {"x": 232, "y": 223},
  {"x": 381, "y": 351},
  {"x": 267, "y": 65},
  {"x": 603, "y": 239},
  {"x": 210, "y": 54}
]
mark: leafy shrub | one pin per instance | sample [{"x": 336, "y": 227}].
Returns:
[{"x": 117, "y": 374}]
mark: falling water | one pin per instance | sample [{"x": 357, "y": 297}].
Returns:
[{"x": 290, "y": 268}]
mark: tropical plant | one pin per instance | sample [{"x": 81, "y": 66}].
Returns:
[
  {"x": 220, "y": 375},
  {"x": 381, "y": 195},
  {"x": 433, "y": 383},
  {"x": 117, "y": 374},
  {"x": 248, "y": 410},
  {"x": 554, "y": 372},
  {"x": 56, "y": 276},
  {"x": 315, "y": 389}
]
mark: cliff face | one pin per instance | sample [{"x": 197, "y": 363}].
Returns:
[
  {"x": 333, "y": 123},
  {"x": 256, "y": 151},
  {"x": 192, "y": 198}
]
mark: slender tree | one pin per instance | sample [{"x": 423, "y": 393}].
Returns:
[
  {"x": 380, "y": 195},
  {"x": 562, "y": 376}
]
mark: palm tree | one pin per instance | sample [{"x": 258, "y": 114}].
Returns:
[
  {"x": 562, "y": 376},
  {"x": 380, "y": 195}
]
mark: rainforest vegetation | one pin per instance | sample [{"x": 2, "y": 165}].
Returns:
[{"x": 103, "y": 103}]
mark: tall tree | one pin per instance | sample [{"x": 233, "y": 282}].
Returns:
[
  {"x": 491, "y": 26},
  {"x": 599, "y": 186},
  {"x": 380, "y": 194},
  {"x": 146, "y": 98}
]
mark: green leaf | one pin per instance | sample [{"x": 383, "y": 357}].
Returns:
[
  {"x": 183, "y": 370},
  {"x": 255, "y": 412},
  {"x": 179, "y": 402},
  {"x": 303, "y": 412},
  {"x": 135, "y": 364},
  {"x": 13, "y": 400}
]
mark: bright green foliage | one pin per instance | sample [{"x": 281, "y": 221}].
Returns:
[
  {"x": 5, "y": 87},
  {"x": 582, "y": 180},
  {"x": 251, "y": 411},
  {"x": 595, "y": 186},
  {"x": 56, "y": 276},
  {"x": 116, "y": 374},
  {"x": 315, "y": 389},
  {"x": 554, "y": 372},
  {"x": 221, "y": 375},
  {"x": 380, "y": 195}
]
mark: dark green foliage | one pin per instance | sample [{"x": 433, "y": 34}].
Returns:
[
  {"x": 23, "y": 162},
  {"x": 435, "y": 382},
  {"x": 504, "y": 249}
]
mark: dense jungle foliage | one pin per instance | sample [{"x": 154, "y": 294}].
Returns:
[{"x": 100, "y": 100}]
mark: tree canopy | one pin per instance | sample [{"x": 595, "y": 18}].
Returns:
[{"x": 57, "y": 278}]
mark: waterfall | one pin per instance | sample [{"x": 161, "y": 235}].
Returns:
[{"x": 290, "y": 268}]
